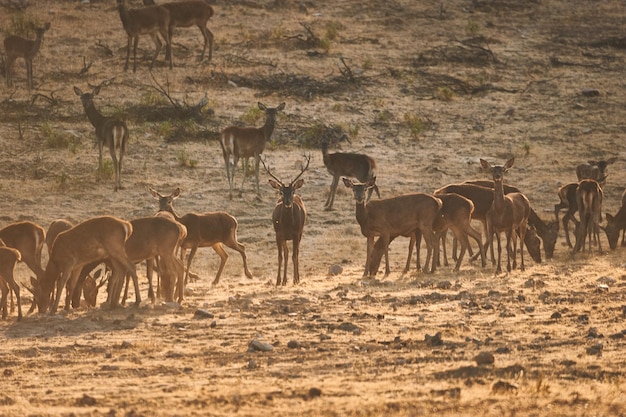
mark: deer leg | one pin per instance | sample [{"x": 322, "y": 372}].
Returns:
[
  {"x": 179, "y": 267},
  {"x": 245, "y": 174},
  {"x": 370, "y": 246},
  {"x": 522, "y": 236},
  {"x": 208, "y": 39},
  {"x": 135, "y": 42},
  {"x": 223, "y": 257},
  {"x": 296, "y": 266},
  {"x": 192, "y": 253},
  {"x": 149, "y": 273},
  {"x": 498, "y": 267},
  {"x": 331, "y": 196},
  {"x": 475, "y": 234},
  {"x": 442, "y": 240},
  {"x": 157, "y": 45},
  {"x": 279, "y": 244},
  {"x": 257, "y": 158},
  {"x": 464, "y": 241},
  {"x": 286, "y": 260},
  {"x": 385, "y": 241},
  {"x": 509, "y": 236},
  {"x": 3, "y": 301},
  {"x": 29, "y": 73},
  {"x": 232, "y": 243},
  {"x": 129, "y": 42},
  {"x": 412, "y": 242}
]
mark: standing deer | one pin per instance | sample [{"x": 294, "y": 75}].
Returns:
[
  {"x": 28, "y": 238},
  {"x": 616, "y": 224},
  {"x": 9, "y": 257},
  {"x": 508, "y": 213},
  {"x": 350, "y": 165},
  {"x": 110, "y": 132},
  {"x": 246, "y": 143},
  {"x": 94, "y": 240},
  {"x": 184, "y": 14},
  {"x": 16, "y": 47},
  {"x": 149, "y": 20},
  {"x": 589, "y": 199},
  {"x": 395, "y": 216},
  {"x": 595, "y": 170},
  {"x": 288, "y": 219},
  {"x": 209, "y": 229}
]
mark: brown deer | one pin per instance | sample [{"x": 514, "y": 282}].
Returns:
[
  {"x": 395, "y": 216},
  {"x": 547, "y": 231},
  {"x": 482, "y": 197},
  {"x": 456, "y": 215},
  {"x": 350, "y": 165},
  {"x": 595, "y": 170},
  {"x": 9, "y": 257},
  {"x": 148, "y": 20},
  {"x": 110, "y": 132},
  {"x": 18, "y": 47},
  {"x": 589, "y": 199},
  {"x": 616, "y": 224},
  {"x": 28, "y": 238},
  {"x": 288, "y": 219},
  {"x": 94, "y": 240},
  {"x": 246, "y": 143},
  {"x": 184, "y": 14},
  {"x": 212, "y": 229},
  {"x": 509, "y": 213}
]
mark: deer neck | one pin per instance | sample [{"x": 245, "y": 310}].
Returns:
[
  {"x": 268, "y": 127},
  {"x": 35, "y": 45},
  {"x": 95, "y": 117},
  {"x": 498, "y": 194},
  {"x": 361, "y": 214},
  {"x": 123, "y": 15}
]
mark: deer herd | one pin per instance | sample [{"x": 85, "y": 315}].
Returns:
[{"x": 75, "y": 251}]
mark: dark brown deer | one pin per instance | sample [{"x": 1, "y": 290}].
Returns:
[
  {"x": 18, "y": 47},
  {"x": 184, "y": 14},
  {"x": 247, "y": 142},
  {"x": 595, "y": 170},
  {"x": 589, "y": 199},
  {"x": 148, "y": 20},
  {"x": 9, "y": 257},
  {"x": 212, "y": 229},
  {"x": 547, "y": 231},
  {"x": 482, "y": 197},
  {"x": 28, "y": 238},
  {"x": 288, "y": 219},
  {"x": 350, "y": 165},
  {"x": 509, "y": 213},
  {"x": 110, "y": 132},
  {"x": 395, "y": 216},
  {"x": 616, "y": 224}
]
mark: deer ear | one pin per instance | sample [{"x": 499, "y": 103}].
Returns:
[
  {"x": 77, "y": 91},
  {"x": 154, "y": 193},
  {"x": 371, "y": 182},
  {"x": 274, "y": 184},
  {"x": 96, "y": 91},
  {"x": 298, "y": 184},
  {"x": 261, "y": 106},
  {"x": 485, "y": 164},
  {"x": 611, "y": 160},
  {"x": 176, "y": 193},
  {"x": 281, "y": 106},
  {"x": 347, "y": 182},
  {"x": 509, "y": 163}
]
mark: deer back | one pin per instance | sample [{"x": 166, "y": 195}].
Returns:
[
  {"x": 27, "y": 237},
  {"x": 207, "y": 229},
  {"x": 189, "y": 13},
  {"x": 353, "y": 165},
  {"x": 482, "y": 197},
  {"x": 152, "y": 236},
  {"x": 56, "y": 227},
  {"x": 455, "y": 209},
  {"x": 144, "y": 20}
]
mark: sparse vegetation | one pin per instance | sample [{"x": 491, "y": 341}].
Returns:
[
  {"x": 185, "y": 160},
  {"x": 415, "y": 123}
]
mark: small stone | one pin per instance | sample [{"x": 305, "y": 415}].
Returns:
[
  {"x": 203, "y": 314},
  {"x": 126, "y": 345},
  {"x": 335, "y": 270},
  {"x": 595, "y": 349},
  {"x": 293, "y": 344},
  {"x": 258, "y": 346},
  {"x": 433, "y": 340},
  {"x": 502, "y": 387},
  {"x": 556, "y": 315},
  {"x": 8, "y": 373},
  {"x": 590, "y": 92},
  {"x": 314, "y": 393},
  {"x": 252, "y": 364},
  {"x": 86, "y": 401},
  {"x": 484, "y": 358}
]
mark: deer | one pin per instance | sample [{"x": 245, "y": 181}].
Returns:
[
  {"x": 288, "y": 218},
  {"x": 595, "y": 170},
  {"x": 94, "y": 240},
  {"x": 350, "y": 165},
  {"x": 548, "y": 231},
  {"x": 456, "y": 215},
  {"x": 482, "y": 197},
  {"x": 212, "y": 229},
  {"x": 9, "y": 257},
  {"x": 148, "y": 20},
  {"x": 507, "y": 214},
  {"x": 18, "y": 47},
  {"x": 184, "y": 14},
  {"x": 589, "y": 200},
  {"x": 394, "y": 216},
  {"x": 247, "y": 142},
  {"x": 28, "y": 238},
  {"x": 616, "y": 224},
  {"x": 110, "y": 132}
]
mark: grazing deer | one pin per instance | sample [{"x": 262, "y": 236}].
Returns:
[
  {"x": 9, "y": 257},
  {"x": 456, "y": 215},
  {"x": 149, "y": 20},
  {"x": 288, "y": 219},
  {"x": 567, "y": 200},
  {"x": 56, "y": 227},
  {"x": 209, "y": 229},
  {"x": 482, "y": 197},
  {"x": 28, "y": 238},
  {"x": 395, "y": 216},
  {"x": 16, "y": 47},
  {"x": 508, "y": 213},
  {"x": 616, "y": 224},
  {"x": 110, "y": 132},
  {"x": 350, "y": 165},
  {"x": 589, "y": 199},
  {"x": 247, "y": 142},
  {"x": 547, "y": 231},
  {"x": 184, "y": 14},
  {"x": 595, "y": 170},
  {"x": 94, "y": 240}
]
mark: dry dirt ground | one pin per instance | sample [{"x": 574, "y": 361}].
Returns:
[{"x": 426, "y": 88}]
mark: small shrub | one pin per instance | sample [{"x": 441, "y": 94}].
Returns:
[
  {"x": 415, "y": 123},
  {"x": 353, "y": 131},
  {"x": 107, "y": 169},
  {"x": 164, "y": 129},
  {"x": 526, "y": 148},
  {"x": 472, "y": 28},
  {"x": 252, "y": 115},
  {"x": 445, "y": 94},
  {"x": 152, "y": 98},
  {"x": 184, "y": 160}
]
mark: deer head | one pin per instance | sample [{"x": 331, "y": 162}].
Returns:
[{"x": 287, "y": 191}]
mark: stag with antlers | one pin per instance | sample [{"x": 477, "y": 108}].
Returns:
[{"x": 288, "y": 218}]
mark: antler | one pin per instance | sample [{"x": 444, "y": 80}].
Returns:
[
  {"x": 308, "y": 161},
  {"x": 270, "y": 173}
]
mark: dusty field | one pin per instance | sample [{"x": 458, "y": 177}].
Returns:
[{"x": 473, "y": 79}]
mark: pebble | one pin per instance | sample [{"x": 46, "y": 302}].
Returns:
[
  {"x": 203, "y": 314},
  {"x": 258, "y": 346},
  {"x": 484, "y": 358}
]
